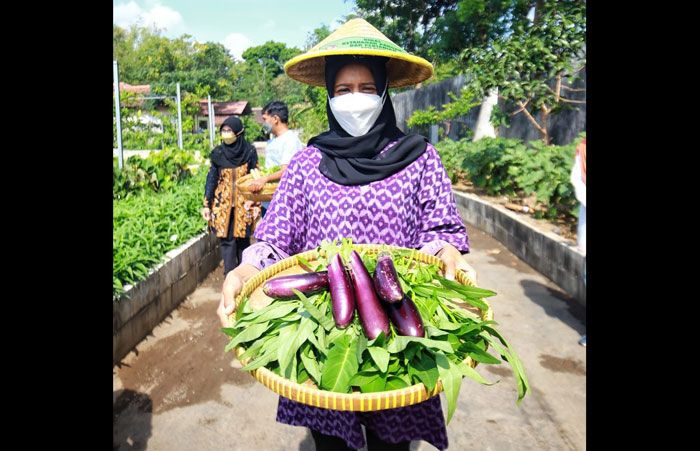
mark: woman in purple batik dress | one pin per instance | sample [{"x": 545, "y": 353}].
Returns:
[{"x": 367, "y": 180}]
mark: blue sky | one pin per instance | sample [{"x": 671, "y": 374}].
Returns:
[{"x": 238, "y": 24}]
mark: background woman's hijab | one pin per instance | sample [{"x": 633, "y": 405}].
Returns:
[
  {"x": 349, "y": 160},
  {"x": 235, "y": 154}
]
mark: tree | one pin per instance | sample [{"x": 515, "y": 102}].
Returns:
[
  {"x": 253, "y": 77},
  {"x": 528, "y": 64},
  {"x": 447, "y": 29},
  {"x": 535, "y": 66},
  {"x": 476, "y": 23},
  {"x": 271, "y": 55},
  {"x": 441, "y": 29},
  {"x": 407, "y": 23},
  {"x": 261, "y": 65},
  {"x": 460, "y": 106},
  {"x": 146, "y": 57},
  {"x": 317, "y": 35},
  {"x": 208, "y": 64}
]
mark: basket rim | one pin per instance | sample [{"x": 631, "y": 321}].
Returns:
[
  {"x": 346, "y": 401},
  {"x": 256, "y": 197},
  {"x": 269, "y": 186}
]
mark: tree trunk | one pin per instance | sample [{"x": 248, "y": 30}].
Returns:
[
  {"x": 545, "y": 124},
  {"x": 484, "y": 128},
  {"x": 539, "y": 6}
]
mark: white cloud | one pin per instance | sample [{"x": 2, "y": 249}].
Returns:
[
  {"x": 237, "y": 43},
  {"x": 126, "y": 14},
  {"x": 269, "y": 24},
  {"x": 163, "y": 17}
]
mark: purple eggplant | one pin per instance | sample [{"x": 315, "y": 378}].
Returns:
[
  {"x": 308, "y": 283},
  {"x": 404, "y": 314},
  {"x": 386, "y": 281},
  {"x": 372, "y": 315},
  {"x": 342, "y": 293}
]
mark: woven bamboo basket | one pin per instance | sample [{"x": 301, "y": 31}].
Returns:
[
  {"x": 264, "y": 195},
  {"x": 307, "y": 393}
]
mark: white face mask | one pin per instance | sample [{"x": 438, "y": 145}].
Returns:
[{"x": 357, "y": 112}]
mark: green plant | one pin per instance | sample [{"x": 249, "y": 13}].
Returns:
[
  {"x": 485, "y": 162},
  {"x": 253, "y": 130},
  {"x": 545, "y": 171},
  {"x": 141, "y": 136},
  {"x": 147, "y": 225},
  {"x": 499, "y": 118},
  {"x": 460, "y": 106},
  {"x": 510, "y": 167},
  {"x": 452, "y": 154},
  {"x": 310, "y": 115},
  {"x": 159, "y": 171}
]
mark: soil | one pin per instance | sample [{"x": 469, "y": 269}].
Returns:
[{"x": 563, "y": 226}]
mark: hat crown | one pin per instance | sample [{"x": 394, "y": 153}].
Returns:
[
  {"x": 356, "y": 34},
  {"x": 359, "y": 37}
]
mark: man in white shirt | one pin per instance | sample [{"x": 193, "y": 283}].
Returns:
[{"x": 281, "y": 148}]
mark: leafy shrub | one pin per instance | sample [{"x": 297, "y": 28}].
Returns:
[
  {"x": 159, "y": 171},
  {"x": 502, "y": 166}
]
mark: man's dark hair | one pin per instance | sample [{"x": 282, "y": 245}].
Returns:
[{"x": 278, "y": 109}]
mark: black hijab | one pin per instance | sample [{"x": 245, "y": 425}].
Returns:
[
  {"x": 350, "y": 160},
  {"x": 234, "y": 155}
]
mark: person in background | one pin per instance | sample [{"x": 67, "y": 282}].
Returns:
[
  {"x": 280, "y": 149},
  {"x": 230, "y": 160},
  {"x": 578, "y": 179}
]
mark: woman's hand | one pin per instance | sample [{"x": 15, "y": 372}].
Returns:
[
  {"x": 206, "y": 213},
  {"x": 232, "y": 287},
  {"x": 453, "y": 261},
  {"x": 257, "y": 184}
]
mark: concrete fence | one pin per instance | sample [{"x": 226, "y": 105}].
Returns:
[
  {"x": 147, "y": 303},
  {"x": 547, "y": 253}
]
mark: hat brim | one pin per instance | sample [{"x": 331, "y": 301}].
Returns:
[{"x": 403, "y": 69}]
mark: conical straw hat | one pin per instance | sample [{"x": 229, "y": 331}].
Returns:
[{"x": 358, "y": 37}]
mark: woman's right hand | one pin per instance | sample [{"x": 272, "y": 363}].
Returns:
[
  {"x": 257, "y": 184},
  {"x": 231, "y": 289},
  {"x": 206, "y": 213}
]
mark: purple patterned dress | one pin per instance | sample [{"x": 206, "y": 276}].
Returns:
[{"x": 414, "y": 208}]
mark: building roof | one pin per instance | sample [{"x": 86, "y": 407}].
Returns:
[
  {"x": 136, "y": 89},
  {"x": 225, "y": 108}
]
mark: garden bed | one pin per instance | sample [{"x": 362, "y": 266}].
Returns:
[
  {"x": 563, "y": 226},
  {"x": 531, "y": 179},
  {"x": 143, "y": 305}
]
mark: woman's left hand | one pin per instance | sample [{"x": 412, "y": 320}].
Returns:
[{"x": 453, "y": 261}]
